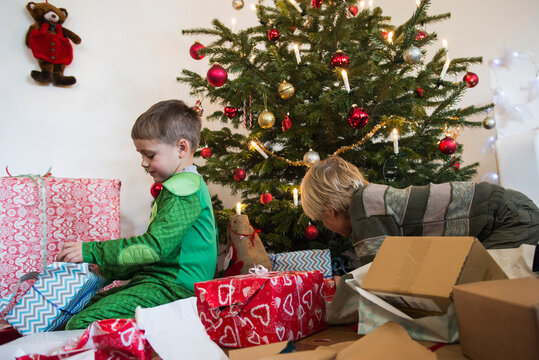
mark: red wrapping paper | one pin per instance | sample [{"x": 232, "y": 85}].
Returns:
[
  {"x": 250, "y": 310},
  {"x": 329, "y": 290}
]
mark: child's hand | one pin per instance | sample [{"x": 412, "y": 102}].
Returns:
[{"x": 71, "y": 252}]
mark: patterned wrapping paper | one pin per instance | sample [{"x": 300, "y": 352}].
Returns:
[
  {"x": 250, "y": 310},
  {"x": 303, "y": 260},
  {"x": 76, "y": 210},
  {"x": 329, "y": 288}
]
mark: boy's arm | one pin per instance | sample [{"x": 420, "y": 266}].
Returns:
[{"x": 174, "y": 217}]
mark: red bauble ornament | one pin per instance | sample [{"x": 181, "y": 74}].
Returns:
[
  {"x": 239, "y": 174},
  {"x": 385, "y": 34},
  {"x": 287, "y": 123},
  {"x": 420, "y": 35},
  {"x": 448, "y": 145},
  {"x": 231, "y": 111},
  {"x": 265, "y": 198},
  {"x": 317, "y": 3},
  {"x": 419, "y": 92},
  {"x": 471, "y": 79},
  {"x": 456, "y": 165},
  {"x": 217, "y": 75},
  {"x": 156, "y": 189},
  {"x": 273, "y": 34},
  {"x": 206, "y": 152},
  {"x": 358, "y": 118},
  {"x": 311, "y": 232},
  {"x": 340, "y": 59},
  {"x": 353, "y": 9},
  {"x": 193, "y": 50}
]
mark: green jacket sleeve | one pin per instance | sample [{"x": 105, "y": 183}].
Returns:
[{"x": 173, "y": 217}]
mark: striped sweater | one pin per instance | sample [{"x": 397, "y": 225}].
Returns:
[{"x": 448, "y": 209}]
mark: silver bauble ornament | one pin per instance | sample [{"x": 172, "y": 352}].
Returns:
[
  {"x": 266, "y": 119},
  {"x": 489, "y": 123},
  {"x": 286, "y": 90},
  {"x": 412, "y": 55},
  {"x": 311, "y": 157},
  {"x": 237, "y": 4}
]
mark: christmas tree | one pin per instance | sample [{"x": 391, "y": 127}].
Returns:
[{"x": 324, "y": 78}]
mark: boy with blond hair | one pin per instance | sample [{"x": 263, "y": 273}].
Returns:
[
  {"x": 334, "y": 192},
  {"x": 179, "y": 247}
]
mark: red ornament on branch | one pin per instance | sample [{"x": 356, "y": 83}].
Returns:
[
  {"x": 156, "y": 189},
  {"x": 317, "y": 3},
  {"x": 230, "y": 111},
  {"x": 265, "y": 198},
  {"x": 193, "y": 50},
  {"x": 471, "y": 79},
  {"x": 419, "y": 92},
  {"x": 448, "y": 145},
  {"x": 358, "y": 117},
  {"x": 311, "y": 232},
  {"x": 239, "y": 174},
  {"x": 353, "y": 9},
  {"x": 287, "y": 123},
  {"x": 273, "y": 34},
  {"x": 420, "y": 35},
  {"x": 217, "y": 75},
  {"x": 206, "y": 153},
  {"x": 456, "y": 165},
  {"x": 340, "y": 59}
]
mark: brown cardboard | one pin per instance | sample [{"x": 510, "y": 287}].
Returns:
[
  {"x": 417, "y": 274},
  {"x": 257, "y": 352},
  {"x": 499, "y": 319}
]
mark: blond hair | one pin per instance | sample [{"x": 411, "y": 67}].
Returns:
[
  {"x": 169, "y": 121},
  {"x": 329, "y": 184}
]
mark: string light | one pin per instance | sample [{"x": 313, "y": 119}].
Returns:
[
  {"x": 257, "y": 148},
  {"x": 345, "y": 79},
  {"x": 238, "y": 208},
  {"x": 395, "y": 141}
]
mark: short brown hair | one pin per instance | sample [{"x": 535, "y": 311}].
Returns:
[
  {"x": 329, "y": 184},
  {"x": 169, "y": 121}
]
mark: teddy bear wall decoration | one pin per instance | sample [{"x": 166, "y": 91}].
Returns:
[{"x": 50, "y": 45}]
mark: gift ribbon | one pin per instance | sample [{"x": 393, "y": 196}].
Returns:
[
  {"x": 33, "y": 177},
  {"x": 250, "y": 236}
]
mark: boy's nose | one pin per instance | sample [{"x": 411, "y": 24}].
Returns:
[{"x": 144, "y": 163}]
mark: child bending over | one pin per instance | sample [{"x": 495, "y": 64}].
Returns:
[
  {"x": 179, "y": 247},
  {"x": 334, "y": 192}
]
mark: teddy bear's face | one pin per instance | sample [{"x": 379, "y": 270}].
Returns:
[{"x": 46, "y": 12}]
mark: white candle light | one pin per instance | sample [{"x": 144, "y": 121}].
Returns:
[
  {"x": 238, "y": 209},
  {"x": 233, "y": 21},
  {"x": 390, "y": 37},
  {"x": 345, "y": 79},
  {"x": 362, "y": 5},
  {"x": 444, "y": 69},
  {"x": 253, "y": 7},
  {"x": 296, "y": 51},
  {"x": 295, "y": 4},
  {"x": 418, "y": 2},
  {"x": 371, "y": 4},
  {"x": 395, "y": 141},
  {"x": 259, "y": 149},
  {"x": 295, "y": 194}
]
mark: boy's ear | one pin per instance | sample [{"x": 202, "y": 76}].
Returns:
[{"x": 183, "y": 147}]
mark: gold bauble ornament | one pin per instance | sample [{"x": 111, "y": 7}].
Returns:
[
  {"x": 286, "y": 90},
  {"x": 237, "y": 4},
  {"x": 266, "y": 119}
]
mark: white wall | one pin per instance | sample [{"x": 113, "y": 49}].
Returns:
[{"x": 130, "y": 55}]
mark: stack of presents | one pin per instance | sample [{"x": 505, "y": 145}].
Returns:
[{"x": 419, "y": 293}]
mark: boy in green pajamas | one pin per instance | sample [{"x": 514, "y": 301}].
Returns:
[{"x": 179, "y": 247}]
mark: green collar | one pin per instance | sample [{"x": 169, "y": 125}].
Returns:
[{"x": 183, "y": 184}]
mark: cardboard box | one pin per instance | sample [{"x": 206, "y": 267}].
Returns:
[
  {"x": 417, "y": 274},
  {"x": 499, "y": 319}
]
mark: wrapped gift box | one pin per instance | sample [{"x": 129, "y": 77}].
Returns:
[
  {"x": 249, "y": 310},
  {"x": 303, "y": 260},
  {"x": 74, "y": 209}
]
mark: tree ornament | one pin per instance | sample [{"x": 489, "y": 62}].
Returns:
[
  {"x": 230, "y": 111},
  {"x": 217, "y": 75},
  {"x": 419, "y": 92},
  {"x": 353, "y": 9},
  {"x": 489, "y": 123},
  {"x": 340, "y": 60},
  {"x": 471, "y": 79},
  {"x": 237, "y": 4},
  {"x": 266, "y": 119},
  {"x": 311, "y": 232},
  {"x": 273, "y": 34},
  {"x": 206, "y": 152},
  {"x": 265, "y": 198},
  {"x": 156, "y": 189},
  {"x": 311, "y": 157},
  {"x": 385, "y": 34},
  {"x": 286, "y": 90},
  {"x": 193, "y": 50},
  {"x": 287, "y": 123},
  {"x": 239, "y": 174},
  {"x": 358, "y": 117},
  {"x": 456, "y": 165},
  {"x": 420, "y": 35},
  {"x": 412, "y": 55},
  {"x": 317, "y": 3},
  {"x": 448, "y": 145}
]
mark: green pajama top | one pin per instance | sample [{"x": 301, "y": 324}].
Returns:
[{"x": 179, "y": 246}]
